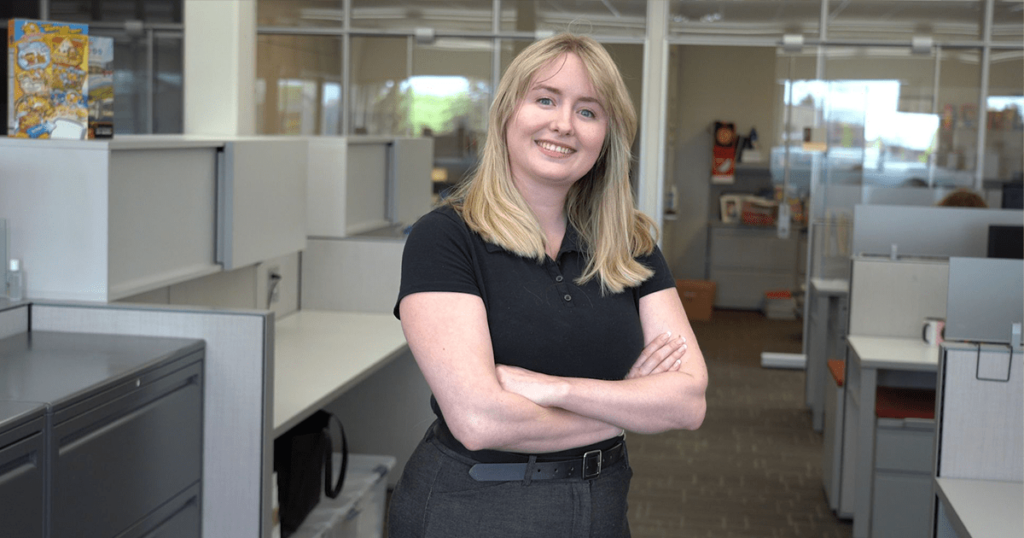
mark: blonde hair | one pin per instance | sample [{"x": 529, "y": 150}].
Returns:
[{"x": 599, "y": 205}]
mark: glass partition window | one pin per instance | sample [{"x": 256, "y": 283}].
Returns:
[
  {"x": 958, "y": 96},
  {"x": 441, "y": 16},
  {"x": 726, "y": 17},
  {"x": 1008, "y": 21},
  {"x": 168, "y": 91},
  {"x": 952, "y": 20},
  {"x": 298, "y": 89},
  {"x": 153, "y": 11},
  {"x": 626, "y": 18},
  {"x": 1004, "y": 143},
  {"x": 301, "y": 13}
]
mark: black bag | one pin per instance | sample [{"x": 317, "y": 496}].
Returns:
[{"x": 303, "y": 461}]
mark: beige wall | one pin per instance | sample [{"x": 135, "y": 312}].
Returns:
[{"x": 708, "y": 84}]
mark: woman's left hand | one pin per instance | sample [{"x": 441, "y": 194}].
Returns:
[{"x": 538, "y": 388}]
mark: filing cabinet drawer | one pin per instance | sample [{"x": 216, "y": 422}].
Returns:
[
  {"x": 901, "y": 505},
  {"x": 906, "y": 445},
  {"x": 179, "y": 518},
  {"x": 22, "y": 483},
  {"x": 122, "y": 459}
]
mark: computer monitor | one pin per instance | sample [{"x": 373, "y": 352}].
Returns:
[
  {"x": 1013, "y": 195},
  {"x": 1006, "y": 242}
]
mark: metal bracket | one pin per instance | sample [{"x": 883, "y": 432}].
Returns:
[{"x": 977, "y": 369}]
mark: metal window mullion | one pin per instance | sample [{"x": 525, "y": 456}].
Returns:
[
  {"x": 346, "y": 70},
  {"x": 819, "y": 66},
  {"x": 496, "y": 52},
  {"x": 935, "y": 111},
  {"x": 150, "y": 81},
  {"x": 986, "y": 56},
  {"x": 44, "y": 9}
]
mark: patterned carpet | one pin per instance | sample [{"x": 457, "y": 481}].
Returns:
[{"x": 754, "y": 468}]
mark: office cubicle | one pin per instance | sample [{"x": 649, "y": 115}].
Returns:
[{"x": 979, "y": 446}]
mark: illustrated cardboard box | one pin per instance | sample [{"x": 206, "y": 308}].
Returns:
[
  {"x": 698, "y": 298},
  {"x": 47, "y": 80}
]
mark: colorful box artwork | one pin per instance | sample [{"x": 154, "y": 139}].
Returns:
[{"x": 48, "y": 81}]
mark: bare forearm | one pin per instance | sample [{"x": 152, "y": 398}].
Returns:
[
  {"x": 651, "y": 404},
  {"x": 513, "y": 423}
]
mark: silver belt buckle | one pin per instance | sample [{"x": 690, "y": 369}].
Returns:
[{"x": 591, "y": 464}]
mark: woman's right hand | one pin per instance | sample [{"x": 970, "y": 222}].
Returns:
[{"x": 664, "y": 354}]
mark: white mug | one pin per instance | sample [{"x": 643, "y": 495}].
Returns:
[{"x": 933, "y": 331}]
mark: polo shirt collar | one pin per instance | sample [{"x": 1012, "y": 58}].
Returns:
[{"x": 570, "y": 242}]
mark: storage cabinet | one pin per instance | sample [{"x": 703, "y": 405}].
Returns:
[
  {"x": 747, "y": 261},
  {"x": 124, "y": 427},
  {"x": 102, "y": 220},
  {"x": 22, "y": 469},
  {"x": 901, "y": 503}
]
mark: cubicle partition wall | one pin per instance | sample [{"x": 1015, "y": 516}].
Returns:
[
  {"x": 237, "y": 441},
  {"x": 13, "y": 320},
  {"x": 914, "y": 230},
  {"x": 927, "y": 231}
]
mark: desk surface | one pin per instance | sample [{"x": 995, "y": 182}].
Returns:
[
  {"x": 895, "y": 353},
  {"x": 318, "y": 355},
  {"x": 982, "y": 508},
  {"x": 831, "y": 286}
]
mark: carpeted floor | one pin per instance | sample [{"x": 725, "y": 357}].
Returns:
[{"x": 754, "y": 468}]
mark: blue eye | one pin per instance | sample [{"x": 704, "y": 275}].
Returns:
[
  {"x": 588, "y": 113},
  {"x": 545, "y": 101}
]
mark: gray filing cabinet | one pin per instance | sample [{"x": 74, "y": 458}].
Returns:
[
  {"x": 22, "y": 469},
  {"x": 123, "y": 429},
  {"x": 747, "y": 261},
  {"x": 901, "y": 501}
]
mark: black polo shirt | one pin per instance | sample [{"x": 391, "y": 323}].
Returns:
[{"x": 539, "y": 318}]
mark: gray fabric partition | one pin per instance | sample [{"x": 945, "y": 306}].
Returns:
[
  {"x": 13, "y": 321},
  {"x": 986, "y": 296},
  {"x": 927, "y": 231},
  {"x": 237, "y": 449}
]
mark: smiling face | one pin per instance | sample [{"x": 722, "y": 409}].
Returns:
[{"x": 557, "y": 130}]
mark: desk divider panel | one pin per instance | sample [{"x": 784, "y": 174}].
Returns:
[
  {"x": 892, "y": 298},
  {"x": 13, "y": 321},
  {"x": 980, "y": 435},
  {"x": 927, "y": 231},
  {"x": 985, "y": 299},
  {"x": 237, "y": 449}
]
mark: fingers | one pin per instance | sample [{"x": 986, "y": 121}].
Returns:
[{"x": 664, "y": 353}]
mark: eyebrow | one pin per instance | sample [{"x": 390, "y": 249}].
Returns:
[{"x": 556, "y": 91}]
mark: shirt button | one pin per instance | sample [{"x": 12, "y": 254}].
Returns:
[
  {"x": 567, "y": 297},
  {"x": 558, "y": 278}
]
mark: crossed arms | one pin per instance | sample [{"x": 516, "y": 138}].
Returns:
[{"x": 507, "y": 408}]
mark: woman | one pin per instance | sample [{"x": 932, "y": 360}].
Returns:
[{"x": 543, "y": 316}]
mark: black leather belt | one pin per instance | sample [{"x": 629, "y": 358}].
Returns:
[{"x": 587, "y": 466}]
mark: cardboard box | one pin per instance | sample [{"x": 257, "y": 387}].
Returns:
[{"x": 698, "y": 298}]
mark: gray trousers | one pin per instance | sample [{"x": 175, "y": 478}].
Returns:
[{"x": 436, "y": 498}]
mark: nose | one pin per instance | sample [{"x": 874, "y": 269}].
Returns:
[{"x": 561, "y": 122}]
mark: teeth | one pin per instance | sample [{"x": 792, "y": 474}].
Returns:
[{"x": 552, "y": 147}]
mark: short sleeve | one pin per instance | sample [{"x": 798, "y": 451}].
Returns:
[
  {"x": 662, "y": 278},
  {"x": 438, "y": 256}
]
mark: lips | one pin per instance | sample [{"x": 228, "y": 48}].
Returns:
[{"x": 555, "y": 148}]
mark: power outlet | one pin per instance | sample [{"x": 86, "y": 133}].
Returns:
[{"x": 273, "y": 285}]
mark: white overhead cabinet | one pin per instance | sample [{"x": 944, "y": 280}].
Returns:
[{"x": 101, "y": 220}]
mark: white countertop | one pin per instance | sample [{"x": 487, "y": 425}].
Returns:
[
  {"x": 895, "y": 353},
  {"x": 318, "y": 355},
  {"x": 118, "y": 142},
  {"x": 831, "y": 286},
  {"x": 983, "y": 508}
]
